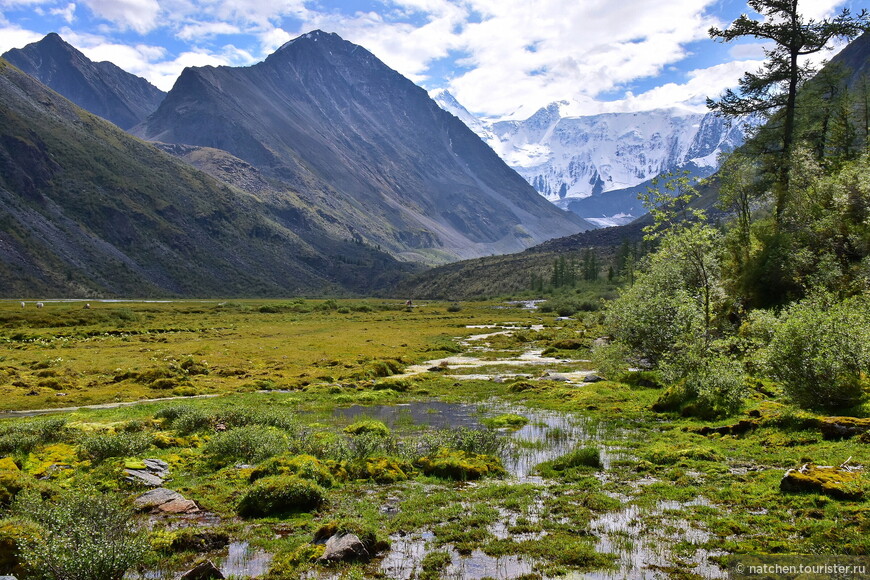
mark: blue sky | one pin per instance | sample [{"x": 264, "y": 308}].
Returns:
[{"x": 498, "y": 57}]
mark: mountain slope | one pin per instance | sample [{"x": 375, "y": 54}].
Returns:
[
  {"x": 328, "y": 119},
  {"x": 99, "y": 87},
  {"x": 594, "y": 165},
  {"x": 87, "y": 210}
]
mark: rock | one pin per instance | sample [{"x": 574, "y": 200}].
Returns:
[
  {"x": 166, "y": 501},
  {"x": 592, "y": 378},
  {"x": 826, "y": 480},
  {"x": 153, "y": 473},
  {"x": 203, "y": 571},
  {"x": 344, "y": 548},
  {"x": 556, "y": 377},
  {"x": 178, "y": 506},
  {"x": 143, "y": 477},
  {"x": 843, "y": 427}
]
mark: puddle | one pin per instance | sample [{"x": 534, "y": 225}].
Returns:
[
  {"x": 403, "y": 561},
  {"x": 243, "y": 561},
  {"x": 546, "y": 436},
  {"x": 640, "y": 548}
]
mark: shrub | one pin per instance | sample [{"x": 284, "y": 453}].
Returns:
[
  {"x": 250, "y": 444},
  {"x": 279, "y": 495},
  {"x": 83, "y": 535},
  {"x": 711, "y": 383},
  {"x": 100, "y": 446},
  {"x": 820, "y": 353}
]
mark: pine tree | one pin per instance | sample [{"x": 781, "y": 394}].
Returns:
[{"x": 774, "y": 87}]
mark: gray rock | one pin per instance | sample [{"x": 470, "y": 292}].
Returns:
[
  {"x": 142, "y": 476},
  {"x": 556, "y": 377},
  {"x": 592, "y": 378},
  {"x": 155, "y": 473},
  {"x": 203, "y": 571},
  {"x": 165, "y": 500},
  {"x": 344, "y": 548},
  {"x": 156, "y": 497}
]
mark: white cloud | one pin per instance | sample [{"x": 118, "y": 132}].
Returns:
[
  {"x": 67, "y": 12},
  {"x": 15, "y": 37},
  {"x": 201, "y": 30},
  {"x": 138, "y": 15}
]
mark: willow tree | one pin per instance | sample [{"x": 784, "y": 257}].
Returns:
[{"x": 774, "y": 87}]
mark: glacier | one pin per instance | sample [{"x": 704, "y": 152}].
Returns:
[{"x": 594, "y": 165}]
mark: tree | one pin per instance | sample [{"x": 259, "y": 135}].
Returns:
[{"x": 774, "y": 87}]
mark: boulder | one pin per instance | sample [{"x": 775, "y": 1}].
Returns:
[
  {"x": 166, "y": 501},
  {"x": 592, "y": 378},
  {"x": 834, "y": 482},
  {"x": 344, "y": 548},
  {"x": 153, "y": 472},
  {"x": 203, "y": 571}
]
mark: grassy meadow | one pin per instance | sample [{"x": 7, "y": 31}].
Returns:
[{"x": 499, "y": 468}]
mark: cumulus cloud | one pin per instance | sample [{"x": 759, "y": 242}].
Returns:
[
  {"x": 67, "y": 12},
  {"x": 138, "y": 15},
  {"x": 15, "y": 37}
]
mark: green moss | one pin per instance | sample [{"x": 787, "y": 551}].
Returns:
[
  {"x": 303, "y": 466},
  {"x": 508, "y": 420},
  {"x": 279, "y": 495},
  {"x": 381, "y": 470},
  {"x": 460, "y": 465},
  {"x": 368, "y": 426}
]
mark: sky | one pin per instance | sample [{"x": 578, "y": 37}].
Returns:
[{"x": 499, "y": 58}]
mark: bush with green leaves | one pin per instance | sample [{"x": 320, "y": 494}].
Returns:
[
  {"x": 249, "y": 444},
  {"x": 706, "y": 383},
  {"x": 820, "y": 352},
  {"x": 280, "y": 495},
  {"x": 101, "y": 446},
  {"x": 83, "y": 535}
]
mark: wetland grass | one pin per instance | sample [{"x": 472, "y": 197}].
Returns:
[{"x": 311, "y": 432}]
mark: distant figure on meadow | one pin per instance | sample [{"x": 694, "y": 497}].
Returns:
[
  {"x": 39, "y": 304},
  {"x": 23, "y": 305},
  {"x": 409, "y": 304},
  {"x": 87, "y": 305}
]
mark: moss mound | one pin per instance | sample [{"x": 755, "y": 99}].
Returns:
[
  {"x": 460, "y": 465},
  {"x": 382, "y": 470},
  {"x": 302, "y": 466},
  {"x": 279, "y": 495},
  {"x": 368, "y": 426},
  {"x": 506, "y": 421},
  {"x": 835, "y": 482}
]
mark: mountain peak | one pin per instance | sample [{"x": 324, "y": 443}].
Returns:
[{"x": 100, "y": 87}]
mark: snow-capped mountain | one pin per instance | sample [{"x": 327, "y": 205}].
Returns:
[{"x": 593, "y": 165}]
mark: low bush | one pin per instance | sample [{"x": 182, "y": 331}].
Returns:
[
  {"x": 820, "y": 353},
  {"x": 101, "y": 446},
  {"x": 249, "y": 444},
  {"x": 83, "y": 535}
]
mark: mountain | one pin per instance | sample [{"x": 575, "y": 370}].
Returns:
[
  {"x": 365, "y": 146},
  {"x": 88, "y": 210},
  {"x": 595, "y": 165},
  {"x": 99, "y": 87}
]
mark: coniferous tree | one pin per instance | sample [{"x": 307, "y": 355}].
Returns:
[{"x": 774, "y": 87}]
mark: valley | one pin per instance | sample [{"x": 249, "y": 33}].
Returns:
[{"x": 470, "y": 440}]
